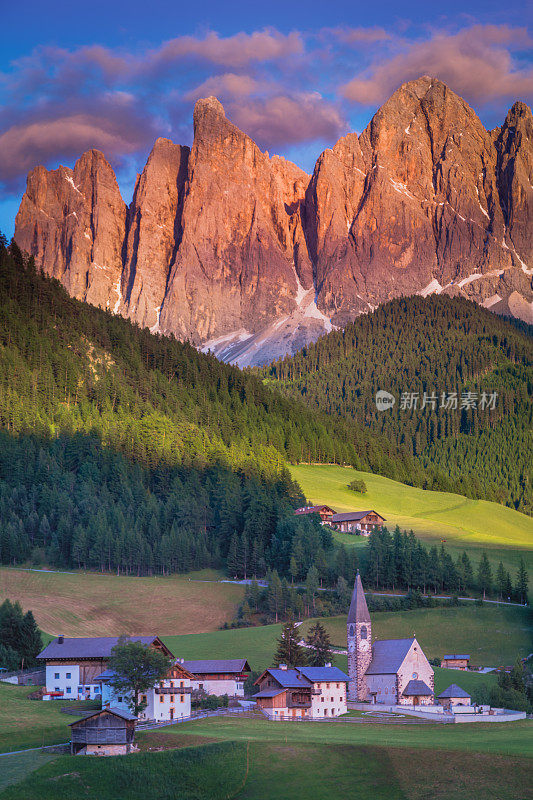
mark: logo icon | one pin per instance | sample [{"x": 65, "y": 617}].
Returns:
[{"x": 384, "y": 400}]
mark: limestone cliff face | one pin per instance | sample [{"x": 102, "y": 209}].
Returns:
[
  {"x": 247, "y": 255},
  {"x": 73, "y": 222},
  {"x": 154, "y": 232},
  {"x": 242, "y": 250},
  {"x": 423, "y": 201}
]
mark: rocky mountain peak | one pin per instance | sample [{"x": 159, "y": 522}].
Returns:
[{"x": 249, "y": 256}]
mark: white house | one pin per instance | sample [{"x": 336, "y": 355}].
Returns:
[
  {"x": 219, "y": 676},
  {"x": 309, "y": 692},
  {"x": 169, "y": 699},
  {"x": 73, "y": 664}
]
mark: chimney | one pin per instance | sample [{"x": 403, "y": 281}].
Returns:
[
  {"x": 283, "y": 666},
  {"x": 60, "y": 639},
  {"x": 328, "y": 664}
]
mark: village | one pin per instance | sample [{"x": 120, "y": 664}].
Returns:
[{"x": 387, "y": 676}]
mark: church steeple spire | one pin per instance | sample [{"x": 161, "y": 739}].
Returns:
[
  {"x": 358, "y": 608},
  {"x": 359, "y": 635}
]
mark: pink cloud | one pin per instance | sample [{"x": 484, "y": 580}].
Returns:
[
  {"x": 232, "y": 51},
  {"x": 227, "y": 85},
  {"x": 23, "y": 146},
  {"x": 285, "y": 120},
  {"x": 476, "y": 63},
  {"x": 361, "y": 35}
]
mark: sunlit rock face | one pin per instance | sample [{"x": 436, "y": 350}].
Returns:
[{"x": 248, "y": 256}]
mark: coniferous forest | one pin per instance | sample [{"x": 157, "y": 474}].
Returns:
[{"x": 420, "y": 349}]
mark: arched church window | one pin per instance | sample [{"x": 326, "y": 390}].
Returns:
[
  {"x": 363, "y": 632},
  {"x": 351, "y": 630}
]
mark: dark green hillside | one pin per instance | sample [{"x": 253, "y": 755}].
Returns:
[
  {"x": 68, "y": 367},
  {"x": 433, "y": 345},
  {"x": 125, "y": 451}
]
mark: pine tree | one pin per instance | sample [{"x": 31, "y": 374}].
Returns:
[
  {"x": 522, "y": 580},
  {"x": 289, "y": 652},
  {"x": 311, "y": 587},
  {"x": 233, "y": 560},
  {"x": 320, "y": 651},
  {"x": 484, "y": 575},
  {"x": 500, "y": 580}
]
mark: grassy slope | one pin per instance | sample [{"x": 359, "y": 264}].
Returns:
[
  {"x": 29, "y": 723},
  {"x": 492, "y": 635},
  {"x": 472, "y": 525},
  {"x": 90, "y": 604},
  {"x": 283, "y": 768}
]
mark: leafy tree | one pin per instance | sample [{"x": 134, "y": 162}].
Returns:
[
  {"x": 320, "y": 652},
  {"x": 358, "y": 485},
  {"x": 137, "y": 668},
  {"x": 289, "y": 651}
]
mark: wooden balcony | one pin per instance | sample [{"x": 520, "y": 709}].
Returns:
[
  {"x": 171, "y": 690},
  {"x": 298, "y": 701},
  {"x": 119, "y": 735}
]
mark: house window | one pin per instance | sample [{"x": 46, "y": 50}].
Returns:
[
  {"x": 143, "y": 698},
  {"x": 56, "y": 675},
  {"x": 182, "y": 684},
  {"x": 171, "y": 698},
  {"x": 171, "y": 684},
  {"x": 182, "y": 698},
  {"x": 80, "y": 689},
  {"x": 69, "y": 675},
  {"x": 119, "y": 699},
  {"x": 56, "y": 689},
  {"x": 161, "y": 698},
  {"x": 69, "y": 690},
  {"x": 201, "y": 687},
  {"x": 363, "y": 632}
]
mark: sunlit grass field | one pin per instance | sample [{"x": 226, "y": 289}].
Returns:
[
  {"x": 93, "y": 604},
  {"x": 463, "y": 524}
]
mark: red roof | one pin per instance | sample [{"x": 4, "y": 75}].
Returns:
[{"x": 313, "y": 509}]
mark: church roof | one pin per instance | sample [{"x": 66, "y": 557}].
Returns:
[
  {"x": 388, "y": 655},
  {"x": 417, "y": 689},
  {"x": 454, "y": 691},
  {"x": 358, "y": 608}
]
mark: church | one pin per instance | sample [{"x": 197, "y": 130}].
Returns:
[{"x": 392, "y": 671}]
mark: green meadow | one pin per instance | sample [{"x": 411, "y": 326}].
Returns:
[
  {"x": 492, "y": 635},
  {"x": 262, "y": 761},
  {"x": 435, "y": 517}
]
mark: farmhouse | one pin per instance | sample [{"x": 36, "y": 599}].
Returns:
[
  {"x": 362, "y": 523},
  {"x": 455, "y": 661},
  {"x": 325, "y": 512},
  {"x": 72, "y": 665},
  {"x": 109, "y": 732},
  {"x": 453, "y": 696},
  {"x": 169, "y": 699},
  {"x": 392, "y": 671},
  {"x": 309, "y": 692},
  {"x": 219, "y": 676}
]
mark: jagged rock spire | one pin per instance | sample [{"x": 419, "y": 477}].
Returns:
[{"x": 358, "y": 608}]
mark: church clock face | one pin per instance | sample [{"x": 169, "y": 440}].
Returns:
[{"x": 364, "y": 645}]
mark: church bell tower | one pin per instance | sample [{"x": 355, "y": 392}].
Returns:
[{"x": 359, "y": 630}]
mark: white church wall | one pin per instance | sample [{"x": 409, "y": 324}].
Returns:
[{"x": 415, "y": 667}]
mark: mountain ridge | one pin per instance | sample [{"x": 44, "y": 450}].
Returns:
[{"x": 246, "y": 255}]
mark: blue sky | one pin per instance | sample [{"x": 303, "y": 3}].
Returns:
[{"x": 295, "y": 76}]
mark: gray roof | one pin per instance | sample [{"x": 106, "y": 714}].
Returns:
[
  {"x": 104, "y": 676},
  {"x": 289, "y": 678},
  {"x": 118, "y": 712},
  {"x": 358, "y": 608},
  {"x": 315, "y": 674},
  {"x": 417, "y": 688},
  {"x": 454, "y": 691},
  {"x": 269, "y": 693},
  {"x": 456, "y": 655},
  {"x": 388, "y": 656},
  {"x": 212, "y": 667},
  {"x": 353, "y": 516},
  {"x": 89, "y": 647}
]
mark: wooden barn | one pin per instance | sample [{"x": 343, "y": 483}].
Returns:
[
  {"x": 455, "y": 661},
  {"x": 324, "y": 512},
  {"x": 362, "y": 523},
  {"x": 109, "y": 732}
]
